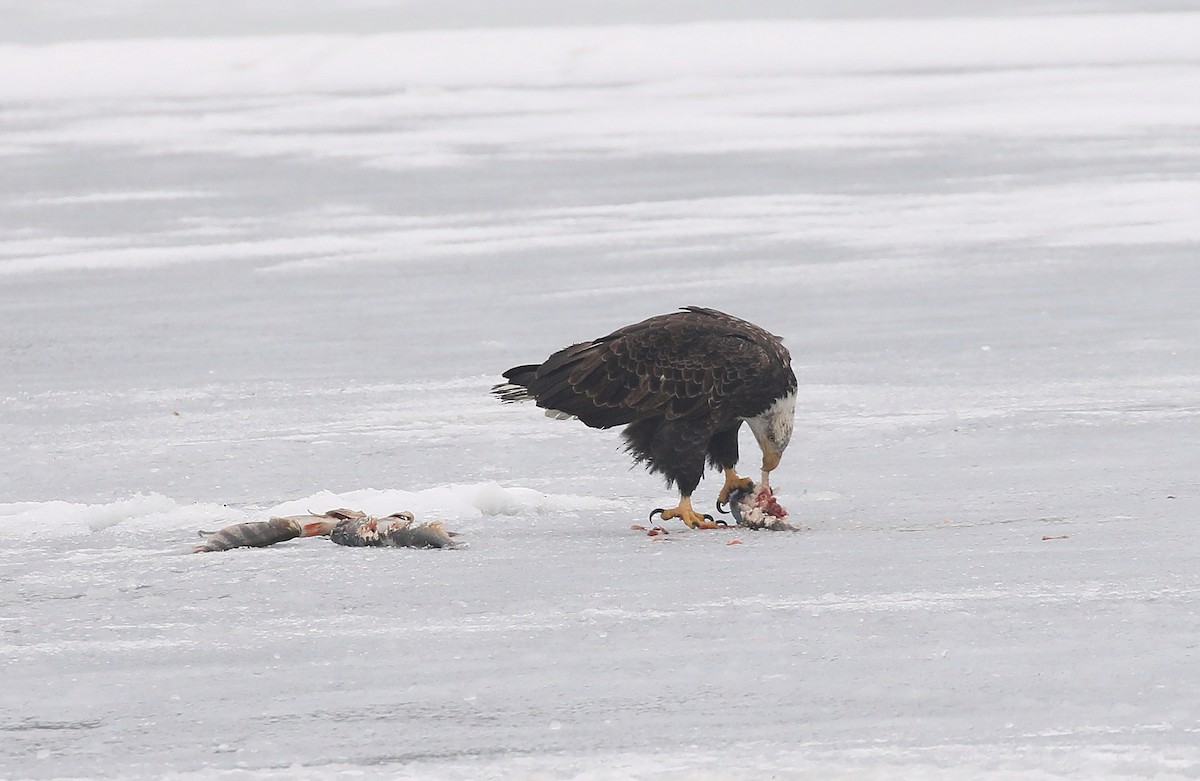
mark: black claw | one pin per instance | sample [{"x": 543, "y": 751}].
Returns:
[
  {"x": 653, "y": 513},
  {"x": 721, "y": 522},
  {"x": 709, "y": 518},
  {"x": 723, "y": 511}
]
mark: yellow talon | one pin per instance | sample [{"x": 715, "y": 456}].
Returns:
[
  {"x": 684, "y": 512},
  {"x": 732, "y": 483}
]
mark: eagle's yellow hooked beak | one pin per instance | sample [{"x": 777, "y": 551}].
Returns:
[{"x": 771, "y": 458}]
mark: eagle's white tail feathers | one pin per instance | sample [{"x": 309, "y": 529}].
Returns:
[{"x": 510, "y": 392}]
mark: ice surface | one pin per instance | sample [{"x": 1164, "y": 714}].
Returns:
[{"x": 261, "y": 258}]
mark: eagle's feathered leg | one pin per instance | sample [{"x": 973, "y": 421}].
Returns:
[
  {"x": 674, "y": 449},
  {"x": 723, "y": 455}
]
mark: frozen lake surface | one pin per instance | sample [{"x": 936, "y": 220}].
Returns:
[{"x": 271, "y": 261}]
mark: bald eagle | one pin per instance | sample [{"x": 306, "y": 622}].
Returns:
[{"x": 682, "y": 384}]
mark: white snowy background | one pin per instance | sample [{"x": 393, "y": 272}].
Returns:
[{"x": 261, "y": 257}]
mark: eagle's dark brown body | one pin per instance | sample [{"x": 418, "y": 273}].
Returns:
[{"x": 682, "y": 384}]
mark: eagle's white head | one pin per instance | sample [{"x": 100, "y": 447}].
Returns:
[{"x": 773, "y": 430}]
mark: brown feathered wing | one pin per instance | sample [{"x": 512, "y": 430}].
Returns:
[{"x": 686, "y": 364}]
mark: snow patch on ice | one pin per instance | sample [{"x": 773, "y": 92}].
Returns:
[
  {"x": 1057, "y": 758},
  {"x": 452, "y": 501},
  {"x": 115, "y": 196},
  {"x": 818, "y": 496},
  {"x": 913, "y": 231},
  {"x": 146, "y": 512},
  {"x": 594, "y": 56},
  {"x": 59, "y": 519}
]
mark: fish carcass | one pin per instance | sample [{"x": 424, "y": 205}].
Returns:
[
  {"x": 345, "y": 527},
  {"x": 260, "y": 534},
  {"x": 757, "y": 508},
  {"x": 394, "y": 531},
  {"x": 257, "y": 534}
]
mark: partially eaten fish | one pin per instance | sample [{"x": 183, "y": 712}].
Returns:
[
  {"x": 342, "y": 526},
  {"x": 320, "y": 525},
  {"x": 757, "y": 508},
  {"x": 394, "y": 531}
]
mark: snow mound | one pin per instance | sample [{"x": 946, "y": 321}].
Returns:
[
  {"x": 470, "y": 500},
  {"x": 62, "y": 519},
  {"x": 152, "y": 512}
]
